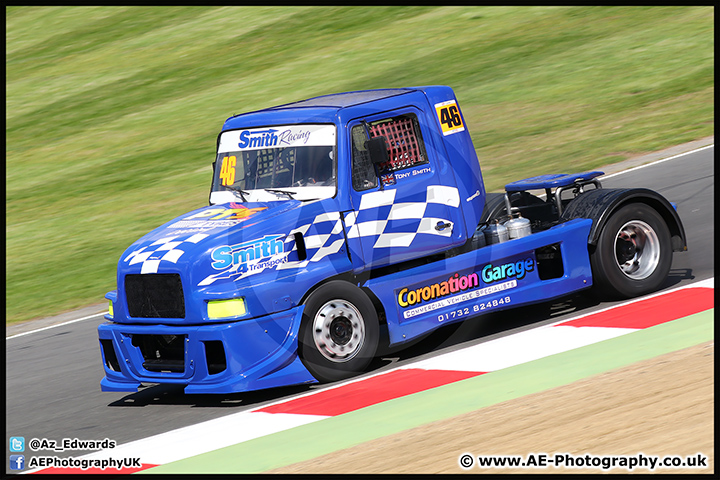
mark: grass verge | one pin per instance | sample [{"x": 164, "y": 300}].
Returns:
[{"x": 112, "y": 112}]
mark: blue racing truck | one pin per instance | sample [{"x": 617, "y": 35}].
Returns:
[{"x": 334, "y": 217}]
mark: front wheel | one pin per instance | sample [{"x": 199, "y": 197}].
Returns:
[
  {"x": 633, "y": 254},
  {"x": 340, "y": 333}
]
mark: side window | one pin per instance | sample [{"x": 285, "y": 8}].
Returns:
[
  {"x": 405, "y": 149},
  {"x": 405, "y": 144},
  {"x": 363, "y": 172}
]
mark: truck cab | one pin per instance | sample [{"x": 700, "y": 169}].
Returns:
[
  {"x": 330, "y": 216},
  {"x": 412, "y": 198}
]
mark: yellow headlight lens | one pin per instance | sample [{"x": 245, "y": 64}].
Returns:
[
  {"x": 226, "y": 308},
  {"x": 110, "y": 309}
]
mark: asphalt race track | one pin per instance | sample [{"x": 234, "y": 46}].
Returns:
[{"x": 53, "y": 376}]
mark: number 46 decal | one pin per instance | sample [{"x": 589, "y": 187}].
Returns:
[
  {"x": 449, "y": 115},
  {"x": 227, "y": 171}
]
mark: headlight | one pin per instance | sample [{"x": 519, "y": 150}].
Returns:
[
  {"x": 112, "y": 298},
  {"x": 233, "y": 307}
]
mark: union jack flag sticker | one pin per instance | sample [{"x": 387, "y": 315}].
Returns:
[{"x": 388, "y": 179}]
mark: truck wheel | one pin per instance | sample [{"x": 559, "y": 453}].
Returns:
[
  {"x": 633, "y": 253},
  {"x": 339, "y": 333}
]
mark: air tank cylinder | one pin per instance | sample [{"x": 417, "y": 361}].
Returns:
[
  {"x": 496, "y": 233},
  {"x": 518, "y": 227}
]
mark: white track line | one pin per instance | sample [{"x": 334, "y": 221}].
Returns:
[
  {"x": 199, "y": 438},
  {"x": 519, "y": 348},
  {"x": 657, "y": 161},
  {"x": 57, "y": 325},
  {"x": 206, "y": 436},
  {"x": 538, "y": 342},
  {"x": 603, "y": 177}
]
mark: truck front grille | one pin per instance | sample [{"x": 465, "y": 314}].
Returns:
[
  {"x": 156, "y": 295},
  {"x": 161, "y": 353}
]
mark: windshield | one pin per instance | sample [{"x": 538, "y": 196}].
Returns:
[{"x": 275, "y": 163}]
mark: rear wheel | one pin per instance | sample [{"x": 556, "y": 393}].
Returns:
[
  {"x": 633, "y": 254},
  {"x": 340, "y": 332}
]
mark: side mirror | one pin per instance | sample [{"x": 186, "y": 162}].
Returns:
[{"x": 377, "y": 148}]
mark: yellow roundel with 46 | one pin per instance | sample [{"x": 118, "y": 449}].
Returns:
[
  {"x": 227, "y": 171},
  {"x": 449, "y": 116}
]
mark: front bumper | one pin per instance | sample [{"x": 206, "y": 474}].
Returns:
[{"x": 215, "y": 358}]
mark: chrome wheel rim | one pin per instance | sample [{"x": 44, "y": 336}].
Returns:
[
  {"x": 338, "y": 330},
  {"x": 637, "y": 250}
]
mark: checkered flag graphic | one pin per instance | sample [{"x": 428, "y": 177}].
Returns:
[
  {"x": 399, "y": 224},
  {"x": 168, "y": 249}
]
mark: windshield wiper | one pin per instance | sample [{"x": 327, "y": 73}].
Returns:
[
  {"x": 289, "y": 194},
  {"x": 238, "y": 190}
]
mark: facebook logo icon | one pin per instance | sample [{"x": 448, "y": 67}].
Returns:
[{"x": 17, "y": 462}]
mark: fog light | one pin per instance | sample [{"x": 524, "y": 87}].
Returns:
[
  {"x": 110, "y": 309},
  {"x": 234, "y": 307}
]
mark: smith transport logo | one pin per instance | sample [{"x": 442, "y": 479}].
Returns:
[
  {"x": 242, "y": 253},
  {"x": 458, "y": 289}
]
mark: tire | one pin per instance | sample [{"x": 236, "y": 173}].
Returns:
[
  {"x": 633, "y": 253},
  {"x": 339, "y": 334}
]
